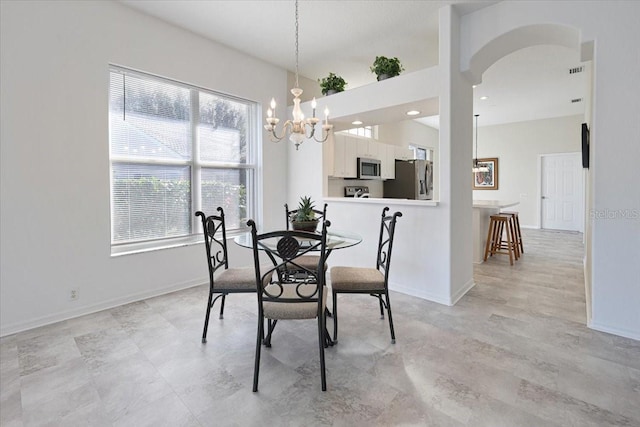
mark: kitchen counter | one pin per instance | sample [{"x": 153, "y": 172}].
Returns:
[
  {"x": 482, "y": 210},
  {"x": 382, "y": 200},
  {"x": 420, "y": 264},
  {"x": 421, "y": 254},
  {"x": 493, "y": 204}
]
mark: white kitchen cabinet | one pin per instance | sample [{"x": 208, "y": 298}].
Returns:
[
  {"x": 403, "y": 153},
  {"x": 388, "y": 160},
  {"x": 367, "y": 148},
  {"x": 344, "y": 157}
]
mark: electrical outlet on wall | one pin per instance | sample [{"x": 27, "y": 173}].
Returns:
[{"x": 74, "y": 294}]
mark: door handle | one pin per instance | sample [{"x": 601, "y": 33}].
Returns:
[{"x": 544, "y": 197}]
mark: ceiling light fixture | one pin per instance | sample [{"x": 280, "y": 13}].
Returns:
[
  {"x": 356, "y": 122},
  {"x": 298, "y": 127},
  {"x": 413, "y": 113},
  {"x": 477, "y": 166},
  {"x": 484, "y": 97}
]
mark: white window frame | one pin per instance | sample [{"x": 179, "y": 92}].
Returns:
[
  {"x": 370, "y": 132},
  {"x": 252, "y": 166}
]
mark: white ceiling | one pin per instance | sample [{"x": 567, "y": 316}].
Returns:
[{"x": 344, "y": 37}]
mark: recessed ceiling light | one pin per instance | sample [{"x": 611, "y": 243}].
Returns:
[
  {"x": 474, "y": 86},
  {"x": 356, "y": 122},
  {"x": 413, "y": 113},
  {"x": 484, "y": 97}
]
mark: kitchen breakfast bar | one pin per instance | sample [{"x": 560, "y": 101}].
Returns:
[
  {"x": 482, "y": 210},
  {"x": 424, "y": 264}
]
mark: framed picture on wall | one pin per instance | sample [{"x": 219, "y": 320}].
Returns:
[{"x": 486, "y": 180}]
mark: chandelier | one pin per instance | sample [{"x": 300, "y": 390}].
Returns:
[
  {"x": 299, "y": 128},
  {"x": 478, "y": 166}
]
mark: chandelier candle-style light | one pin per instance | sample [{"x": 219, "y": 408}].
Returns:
[
  {"x": 299, "y": 126},
  {"x": 477, "y": 166}
]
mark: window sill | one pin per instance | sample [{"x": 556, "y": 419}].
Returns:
[
  {"x": 159, "y": 245},
  {"x": 142, "y": 247}
]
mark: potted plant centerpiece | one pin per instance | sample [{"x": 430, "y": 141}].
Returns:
[
  {"x": 384, "y": 67},
  {"x": 332, "y": 84},
  {"x": 304, "y": 218}
]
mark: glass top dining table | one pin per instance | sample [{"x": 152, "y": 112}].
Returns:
[{"x": 336, "y": 239}]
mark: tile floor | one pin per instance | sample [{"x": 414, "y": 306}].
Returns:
[{"x": 513, "y": 352}]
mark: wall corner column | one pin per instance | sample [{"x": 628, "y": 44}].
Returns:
[{"x": 456, "y": 112}]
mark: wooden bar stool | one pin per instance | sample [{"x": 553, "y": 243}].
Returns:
[
  {"x": 518, "y": 233},
  {"x": 498, "y": 225},
  {"x": 514, "y": 234}
]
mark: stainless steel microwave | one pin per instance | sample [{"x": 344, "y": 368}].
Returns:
[{"x": 369, "y": 169}]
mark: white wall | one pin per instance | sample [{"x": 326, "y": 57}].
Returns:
[
  {"x": 615, "y": 132},
  {"x": 55, "y": 213},
  {"x": 408, "y": 132},
  {"x": 419, "y": 266},
  {"x": 518, "y": 147}
]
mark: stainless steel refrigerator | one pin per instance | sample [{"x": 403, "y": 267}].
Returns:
[{"x": 414, "y": 180}]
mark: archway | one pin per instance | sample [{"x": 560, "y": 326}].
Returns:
[
  {"x": 486, "y": 53},
  {"x": 522, "y": 37}
]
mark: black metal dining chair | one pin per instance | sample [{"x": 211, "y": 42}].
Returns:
[
  {"x": 285, "y": 294},
  {"x": 230, "y": 280},
  {"x": 372, "y": 281}
]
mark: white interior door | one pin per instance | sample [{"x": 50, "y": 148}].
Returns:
[{"x": 562, "y": 192}]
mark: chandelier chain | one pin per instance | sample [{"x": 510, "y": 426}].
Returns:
[{"x": 297, "y": 85}]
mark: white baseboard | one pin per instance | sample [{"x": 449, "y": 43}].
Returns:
[
  {"x": 16, "y": 327},
  {"x": 531, "y": 227},
  {"x": 456, "y": 297},
  {"x": 440, "y": 299},
  {"x": 634, "y": 335}
]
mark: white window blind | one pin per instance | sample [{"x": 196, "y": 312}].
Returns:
[{"x": 176, "y": 149}]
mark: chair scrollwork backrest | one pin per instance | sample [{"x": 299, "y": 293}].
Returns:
[
  {"x": 215, "y": 239},
  {"x": 282, "y": 248},
  {"x": 385, "y": 242}
]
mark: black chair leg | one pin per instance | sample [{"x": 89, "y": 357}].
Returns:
[
  {"x": 393, "y": 334},
  {"x": 271, "y": 325},
  {"x": 206, "y": 318},
  {"x": 256, "y": 368},
  {"x": 381, "y": 306},
  {"x": 321, "y": 340},
  {"x": 224, "y": 297},
  {"x": 335, "y": 317}
]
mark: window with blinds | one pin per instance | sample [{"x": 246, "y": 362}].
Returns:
[{"x": 176, "y": 149}]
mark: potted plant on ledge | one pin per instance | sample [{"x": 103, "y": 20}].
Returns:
[
  {"x": 332, "y": 84},
  {"x": 304, "y": 218},
  {"x": 384, "y": 67}
]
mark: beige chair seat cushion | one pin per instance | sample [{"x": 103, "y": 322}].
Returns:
[
  {"x": 356, "y": 279},
  {"x": 238, "y": 279},
  {"x": 291, "y": 310},
  {"x": 309, "y": 262}
]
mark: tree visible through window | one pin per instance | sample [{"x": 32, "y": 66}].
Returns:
[{"x": 176, "y": 149}]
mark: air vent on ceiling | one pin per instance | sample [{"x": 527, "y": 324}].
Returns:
[
  {"x": 575, "y": 70},
  {"x": 574, "y": 100}
]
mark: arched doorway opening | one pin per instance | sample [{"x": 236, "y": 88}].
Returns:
[{"x": 528, "y": 37}]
